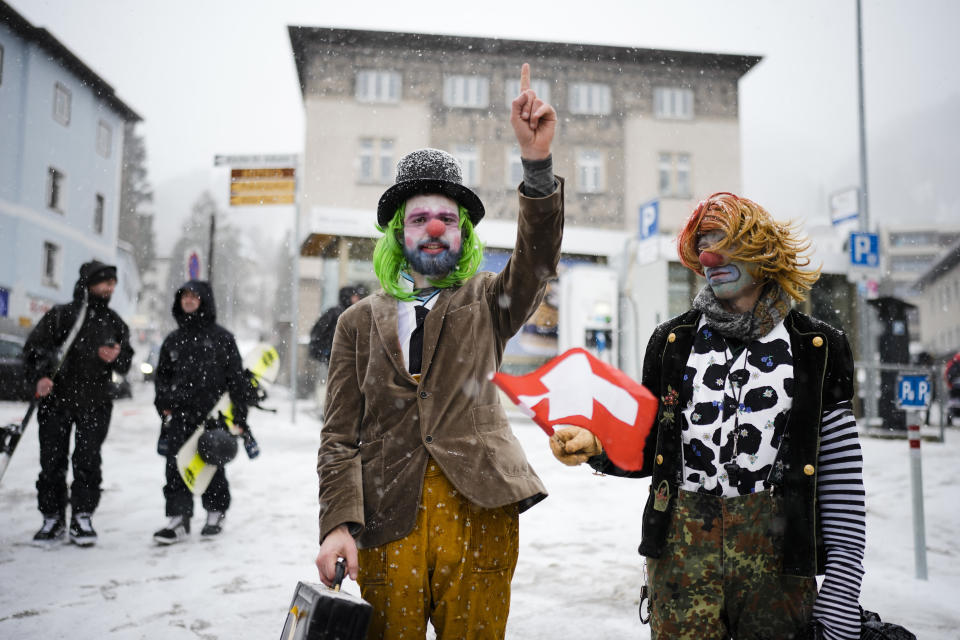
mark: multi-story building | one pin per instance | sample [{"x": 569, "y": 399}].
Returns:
[
  {"x": 938, "y": 304},
  {"x": 61, "y": 136},
  {"x": 635, "y": 125}
]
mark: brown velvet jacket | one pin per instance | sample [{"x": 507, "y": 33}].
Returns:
[{"x": 381, "y": 426}]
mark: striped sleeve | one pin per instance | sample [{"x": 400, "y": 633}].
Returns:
[{"x": 840, "y": 497}]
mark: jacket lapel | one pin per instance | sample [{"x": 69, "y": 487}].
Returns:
[
  {"x": 385, "y": 318},
  {"x": 432, "y": 326}
]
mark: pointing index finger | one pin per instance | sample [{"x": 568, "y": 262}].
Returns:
[{"x": 524, "y": 77}]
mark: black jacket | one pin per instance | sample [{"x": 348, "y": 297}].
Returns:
[
  {"x": 199, "y": 362},
  {"x": 83, "y": 377},
  {"x": 823, "y": 376},
  {"x": 321, "y": 335}
]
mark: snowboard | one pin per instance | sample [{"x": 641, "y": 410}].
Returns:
[
  {"x": 10, "y": 437},
  {"x": 263, "y": 363}
]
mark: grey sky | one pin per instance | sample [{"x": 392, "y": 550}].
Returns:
[{"x": 214, "y": 76}]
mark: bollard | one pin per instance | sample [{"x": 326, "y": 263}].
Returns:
[{"x": 916, "y": 482}]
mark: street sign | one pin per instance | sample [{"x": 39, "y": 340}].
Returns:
[
  {"x": 864, "y": 249},
  {"x": 913, "y": 391},
  {"x": 256, "y": 161},
  {"x": 649, "y": 219},
  {"x": 262, "y": 186},
  {"x": 844, "y": 206},
  {"x": 192, "y": 263}
]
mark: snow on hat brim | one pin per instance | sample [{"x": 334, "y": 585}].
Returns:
[{"x": 399, "y": 193}]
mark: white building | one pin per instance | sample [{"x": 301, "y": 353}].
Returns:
[
  {"x": 61, "y": 137},
  {"x": 635, "y": 125}
]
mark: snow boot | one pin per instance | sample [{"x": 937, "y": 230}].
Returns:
[
  {"x": 81, "y": 530},
  {"x": 53, "y": 529},
  {"x": 176, "y": 530},
  {"x": 214, "y": 524}
]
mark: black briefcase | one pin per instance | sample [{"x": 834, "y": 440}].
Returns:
[{"x": 321, "y": 613}]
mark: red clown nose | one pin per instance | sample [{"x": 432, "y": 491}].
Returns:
[
  {"x": 435, "y": 228},
  {"x": 710, "y": 259}
]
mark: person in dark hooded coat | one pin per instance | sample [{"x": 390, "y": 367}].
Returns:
[
  {"x": 198, "y": 363},
  {"x": 321, "y": 335},
  {"x": 97, "y": 344}
]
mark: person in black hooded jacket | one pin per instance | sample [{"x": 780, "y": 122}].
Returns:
[
  {"x": 198, "y": 362},
  {"x": 74, "y": 390}
]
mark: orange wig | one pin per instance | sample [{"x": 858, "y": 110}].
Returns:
[{"x": 776, "y": 250}]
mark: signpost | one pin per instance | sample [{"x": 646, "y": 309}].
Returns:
[
  {"x": 262, "y": 186},
  {"x": 648, "y": 232},
  {"x": 270, "y": 179},
  {"x": 864, "y": 249},
  {"x": 649, "y": 219},
  {"x": 913, "y": 395}
]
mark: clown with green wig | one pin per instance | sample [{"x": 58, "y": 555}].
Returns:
[{"x": 421, "y": 478}]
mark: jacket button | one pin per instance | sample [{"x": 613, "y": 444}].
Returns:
[
  {"x": 818, "y": 341},
  {"x": 808, "y": 469},
  {"x": 428, "y": 439},
  {"x": 671, "y": 337},
  {"x": 660, "y": 456},
  {"x": 424, "y": 395}
]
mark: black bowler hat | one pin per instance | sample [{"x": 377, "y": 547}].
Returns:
[{"x": 428, "y": 171}]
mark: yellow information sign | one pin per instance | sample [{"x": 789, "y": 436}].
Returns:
[{"x": 262, "y": 186}]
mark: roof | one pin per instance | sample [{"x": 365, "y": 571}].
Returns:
[
  {"x": 302, "y": 37},
  {"x": 59, "y": 52},
  {"x": 948, "y": 261}
]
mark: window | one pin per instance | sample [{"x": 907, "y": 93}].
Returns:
[
  {"x": 61, "y": 104},
  {"x": 673, "y": 175},
  {"x": 469, "y": 92},
  {"x": 590, "y": 173},
  {"x": 56, "y": 186},
  {"x": 589, "y": 98},
  {"x": 375, "y": 161},
  {"x": 514, "y": 168},
  {"x": 51, "y": 264},
  {"x": 671, "y": 102},
  {"x": 466, "y": 155},
  {"x": 99, "y": 205},
  {"x": 104, "y": 139},
  {"x": 541, "y": 87},
  {"x": 378, "y": 86}
]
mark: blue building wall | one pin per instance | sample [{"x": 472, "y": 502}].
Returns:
[{"x": 32, "y": 141}]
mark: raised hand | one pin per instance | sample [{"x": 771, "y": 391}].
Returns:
[{"x": 534, "y": 121}]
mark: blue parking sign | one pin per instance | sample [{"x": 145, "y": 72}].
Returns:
[
  {"x": 913, "y": 391},
  {"x": 864, "y": 249},
  {"x": 649, "y": 219}
]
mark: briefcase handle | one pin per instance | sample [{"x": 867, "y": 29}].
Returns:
[{"x": 340, "y": 569}]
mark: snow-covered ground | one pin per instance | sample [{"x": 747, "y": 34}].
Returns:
[{"x": 579, "y": 574}]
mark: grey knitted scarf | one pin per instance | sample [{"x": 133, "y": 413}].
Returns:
[{"x": 772, "y": 306}]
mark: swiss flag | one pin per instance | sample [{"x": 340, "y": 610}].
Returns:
[{"x": 578, "y": 389}]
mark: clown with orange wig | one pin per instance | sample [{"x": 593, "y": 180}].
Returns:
[{"x": 755, "y": 463}]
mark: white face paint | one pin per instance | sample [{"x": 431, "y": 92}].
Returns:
[{"x": 731, "y": 280}]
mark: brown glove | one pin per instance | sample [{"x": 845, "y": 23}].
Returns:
[{"x": 574, "y": 445}]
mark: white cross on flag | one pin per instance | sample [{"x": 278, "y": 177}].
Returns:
[{"x": 575, "y": 388}]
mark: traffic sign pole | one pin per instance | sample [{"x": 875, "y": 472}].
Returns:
[
  {"x": 913, "y": 394},
  {"x": 916, "y": 482}
]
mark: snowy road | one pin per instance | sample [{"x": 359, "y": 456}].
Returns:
[{"x": 578, "y": 576}]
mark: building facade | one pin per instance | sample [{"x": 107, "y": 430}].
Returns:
[
  {"x": 635, "y": 125},
  {"x": 61, "y": 136},
  {"x": 937, "y": 298}
]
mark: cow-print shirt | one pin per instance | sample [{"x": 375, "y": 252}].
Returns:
[{"x": 735, "y": 407}]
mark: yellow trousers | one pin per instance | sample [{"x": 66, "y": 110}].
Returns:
[{"x": 453, "y": 569}]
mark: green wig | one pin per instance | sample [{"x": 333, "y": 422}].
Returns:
[{"x": 389, "y": 261}]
